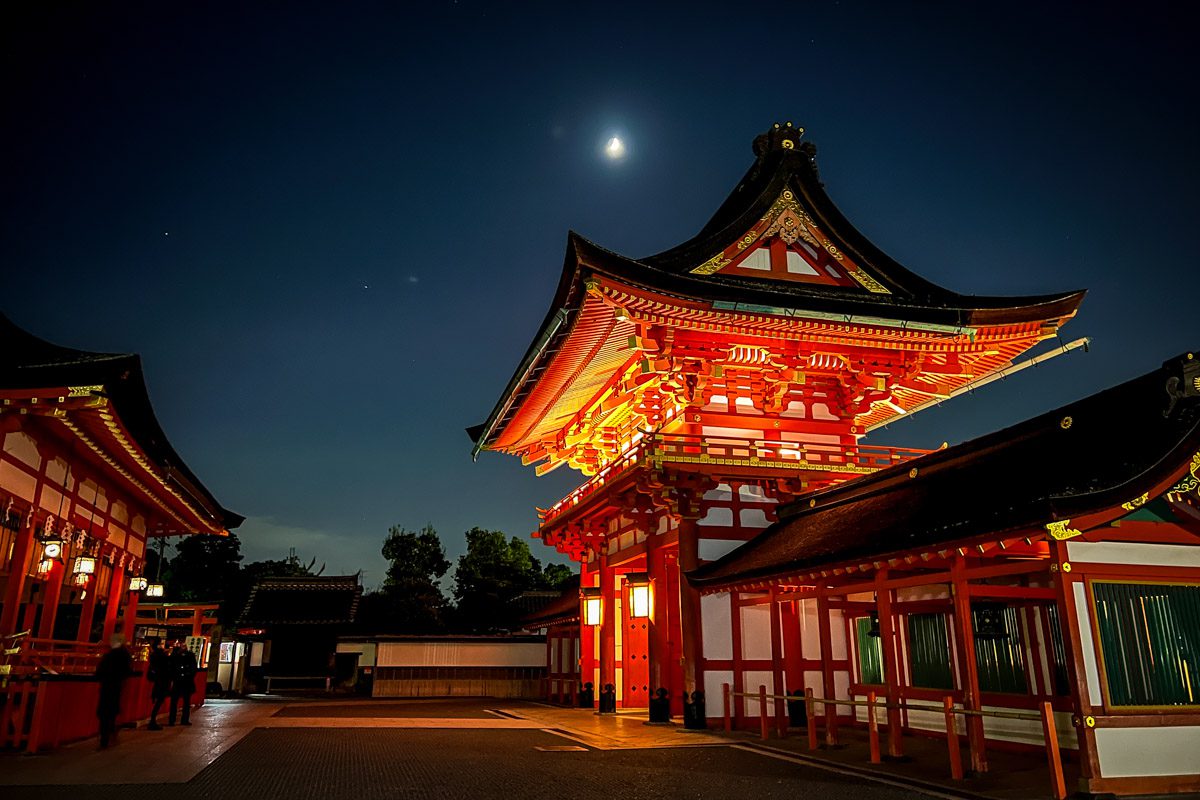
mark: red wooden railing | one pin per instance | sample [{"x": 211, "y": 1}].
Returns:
[
  {"x": 51, "y": 695},
  {"x": 675, "y": 447}
]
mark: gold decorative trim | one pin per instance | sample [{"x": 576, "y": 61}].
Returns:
[
  {"x": 1066, "y": 423},
  {"x": 1060, "y": 530},
  {"x": 1136, "y": 502},
  {"x": 83, "y": 391},
  {"x": 867, "y": 282}
]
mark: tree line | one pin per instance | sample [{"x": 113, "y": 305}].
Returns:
[{"x": 487, "y": 580}]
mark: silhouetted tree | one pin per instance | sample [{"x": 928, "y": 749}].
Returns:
[{"x": 411, "y": 599}]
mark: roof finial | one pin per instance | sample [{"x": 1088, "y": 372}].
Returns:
[{"x": 781, "y": 136}]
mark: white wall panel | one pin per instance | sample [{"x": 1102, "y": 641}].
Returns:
[
  {"x": 1127, "y": 752},
  {"x": 756, "y": 632},
  {"x": 715, "y": 620}
]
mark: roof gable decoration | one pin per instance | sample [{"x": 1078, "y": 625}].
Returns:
[{"x": 798, "y": 243}]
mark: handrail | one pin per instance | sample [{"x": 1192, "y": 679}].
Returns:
[{"x": 855, "y": 458}]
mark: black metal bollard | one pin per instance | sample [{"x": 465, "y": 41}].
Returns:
[
  {"x": 694, "y": 717},
  {"x": 587, "y": 696},
  {"x": 608, "y": 699},
  {"x": 660, "y": 706},
  {"x": 797, "y": 710}
]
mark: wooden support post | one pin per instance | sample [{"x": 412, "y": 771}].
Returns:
[
  {"x": 658, "y": 644},
  {"x": 130, "y": 621},
  {"x": 54, "y": 582},
  {"x": 891, "y": 665},
  {"x": 88, "y": 611},
  {"x": 608, "y": 625},
  {"x": 873, "y": 727},
  {"x": 952, "y": 746},
  {"x": 197, "y": 622},
  {"x": 777, "y": 667},
  {"x": 1058, "y": 786},
  {"x": 1069, "y": 623},
  {"x": 968, "y": 670},
  {"x": 689, "y": 607},
  {"x": 728, "y": 708},
  {"x": 587, "y": 639},
  {"x": 763, "y": 719},
  {"x": 826, "y": 636},
  {"x": 17, "y": 568},
  {"x": 810, "y": 708},
  {"x": 116, "y": 585}
]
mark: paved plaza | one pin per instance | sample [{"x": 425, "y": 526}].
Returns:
[{"x": 439, "y": 749}]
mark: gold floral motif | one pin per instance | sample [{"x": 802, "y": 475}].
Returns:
[
  {"x": 867, "y": 282},
  {"x": 1060, "y": 530},
  {"x": 1136, "y": 502},
  {"x": 84, "y": 391}
]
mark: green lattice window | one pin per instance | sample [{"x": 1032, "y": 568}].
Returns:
[
  {"x": 870, "y": 652},
  {"x": 1000, "y": 660},
  {"x": 1150, "y": 640},
  {"x": 1058, "y": 652},
  {"x": 929, "y": 651}
]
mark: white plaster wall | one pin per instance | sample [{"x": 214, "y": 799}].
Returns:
[
  {"x": 714, "y": 700},
  {"x": 1129, "y": 752},
  {"x": 751, "y": 680},
  {"x": 718, "y": 516},
  {"x": 1175, "y": 555},
  {"x": 723, "y": 493},
  {"x": 753, "y": 518},
  {"x": 715, "y": 622},
  {"x": 1088, "y": 647},
  {"x": 712, "y": 549},
  {"x": 756, "y": 632},
  {"x": 810, "y": 634},
  {"x": 462, "y": 654}
]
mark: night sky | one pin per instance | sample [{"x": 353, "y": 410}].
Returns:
[{"x": 331, "y": 231}]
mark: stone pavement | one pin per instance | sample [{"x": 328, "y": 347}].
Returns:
[{"x": 478, "y": 749}]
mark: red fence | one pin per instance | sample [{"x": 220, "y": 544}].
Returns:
[{"x": 40, "y": 712}]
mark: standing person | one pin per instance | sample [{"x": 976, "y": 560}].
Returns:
[
  {"x": 160, "y": 681},
  {"x": 183, "y": 682},
  {"x": 114, "y": 667}
]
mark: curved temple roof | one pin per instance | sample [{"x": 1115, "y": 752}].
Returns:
[
  {"x": 27, "y": 362},
  {"x": 1064, "y": 464},
  {"x": 780, "y": 196}
]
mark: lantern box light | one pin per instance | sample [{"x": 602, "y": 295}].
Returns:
[
  {"x": 85, "y": 565},
  {"x": 592, "y": 605},
  {"x": 51, "y": 548},
  {"x": 45, "y": 565},
  {"x": 138, "y": 584},
  {"x": 154, "y": 590},
  {"x": 639, "y": 594}
]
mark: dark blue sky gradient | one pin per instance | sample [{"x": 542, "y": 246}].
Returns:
[{"x": 332, "y": 230}]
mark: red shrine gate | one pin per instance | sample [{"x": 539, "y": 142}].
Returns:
[{"x": 700, "y": 388}]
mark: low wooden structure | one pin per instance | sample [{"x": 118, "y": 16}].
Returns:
[
  {"x": 1054, "y": 564},
  {"x": 88, "y": 480}
]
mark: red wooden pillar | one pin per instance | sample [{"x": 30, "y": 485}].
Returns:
[
  {"x": 674, "y": 630},
  {"x": 608, "y": 625},
  {"x": 1068, "y": 618},
  {"x": 88, "y": 611},
  {"x": 891, "y": 665},
  {"x": 777, "y": 662},
  {"x": 968, "y": 671},
  {"x": 54, "y": 582},
  {"x": 660, "y": 621},
  {"x": 829, "y": 688},
  {"x": 689, "y": 607},
  {"x": 115, "y": 587},
  {"x": 793, "y": 657},
  {"x": 130, "y": 621},
  {"x": 18, "y": 566},
  {"x": 197, "y": 622},
  {"x": 735, "y": 647},
  {"x": 587, "y": 638}
]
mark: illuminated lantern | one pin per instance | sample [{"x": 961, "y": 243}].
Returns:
[
  {"x": 51, "y": 549},
  {"x": 154, "y": 590},
  {"x": 81, "y": 578},
  {"x": 592, "y": 605},
  {"x": 138, "y": 584},
  {"x": 45, "y": 565},
  {"x": 639, "y": 594},
  {"x": 85, "y": 565}
]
